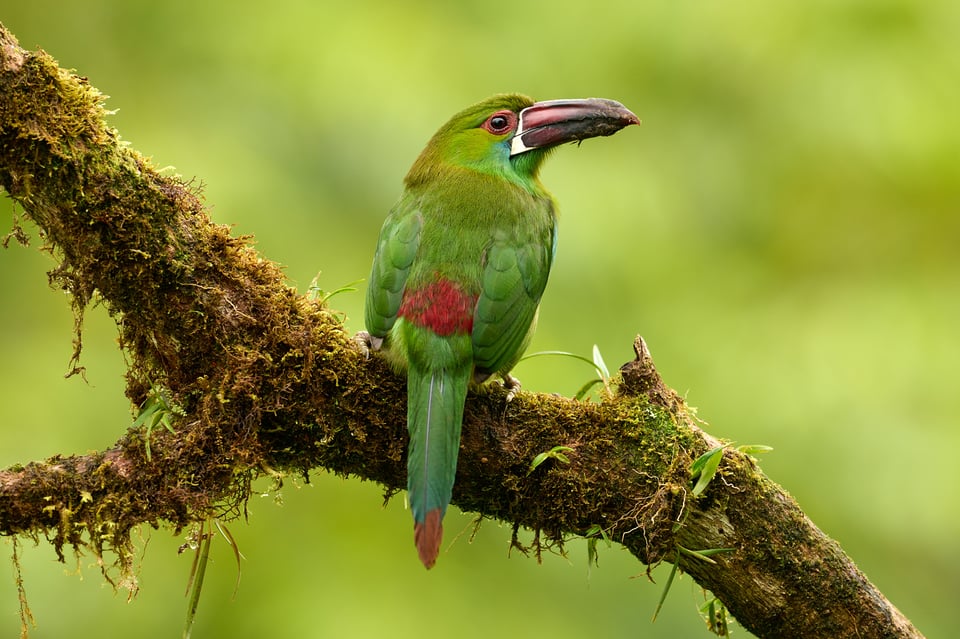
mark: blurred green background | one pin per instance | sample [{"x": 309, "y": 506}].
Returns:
[{"x": 783, "y": 229}]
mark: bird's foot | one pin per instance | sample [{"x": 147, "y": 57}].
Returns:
[
  {"x": 512, "y": 385},
  {"x": 367, "y": 343}
]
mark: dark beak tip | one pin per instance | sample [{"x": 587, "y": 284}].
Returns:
[
  {"x": 615, "y": 112},
  {"x": 627, "y": 116}
]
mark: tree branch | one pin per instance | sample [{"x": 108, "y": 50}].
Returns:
[{"x": 267, "y": 379}]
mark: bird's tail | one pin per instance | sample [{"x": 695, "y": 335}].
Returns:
[{"x": 434, "y": 416}]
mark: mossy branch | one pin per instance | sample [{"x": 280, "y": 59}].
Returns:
[{"x": 268, "y": 379}]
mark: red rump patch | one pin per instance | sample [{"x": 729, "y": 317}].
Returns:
[{"x": 441, "y": 306}]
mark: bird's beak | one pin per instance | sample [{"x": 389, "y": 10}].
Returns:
[{"x": 553, "y": 122}]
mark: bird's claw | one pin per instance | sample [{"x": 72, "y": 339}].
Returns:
[
  {"x": 367, "y": 343},
  {"x": 512, "y": 385}
]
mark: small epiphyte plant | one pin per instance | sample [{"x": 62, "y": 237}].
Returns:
[
  {"x": 557, "y": 452},
  {"x": 157, "y": 410}
]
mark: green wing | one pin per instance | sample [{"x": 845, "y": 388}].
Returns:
[
  {"x": 396, "y": 250},
  {"x": 514, "y": 276}
]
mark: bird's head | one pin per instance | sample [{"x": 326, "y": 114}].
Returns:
[{"x": 509, "y": 135}]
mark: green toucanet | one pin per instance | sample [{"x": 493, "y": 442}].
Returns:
[{"x": 461, "y": 263}]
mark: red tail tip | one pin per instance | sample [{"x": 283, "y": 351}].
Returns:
[{"x": 427, "y": 536}]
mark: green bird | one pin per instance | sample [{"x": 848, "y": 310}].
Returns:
[{"x": 461, "y": 263}]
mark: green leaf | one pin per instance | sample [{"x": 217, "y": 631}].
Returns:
[
  {"x": 323, "y": 296},
  {"x": 713, "y": 551},
  {"x": 704, "y": 468},
  {"x": 716, "y": 617},
  {"x": 703, "y": 555},
  {"x": 586, "y": 388},
  {"x": 237, "y": 555},
  {"x": 165, "y": 420},
  {"x": 539, "y": 459},
  {"x": 666, "y": 588},
  {"x": 600, "y": 364},
  {"x": 697, "y": 466},
  {"x": 593, "y": 534},
  {"x": 195, "y": 583},
  {"x": 156, "y": 410},
  {"x": 593, "y": 559},
  {"x": 149, "y": 408},
  {"x": 754, "y": 449},
  {"x": 554, "y": 453}
]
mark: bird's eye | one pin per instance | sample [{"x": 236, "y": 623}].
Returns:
[{"x": 500, "y": 122}]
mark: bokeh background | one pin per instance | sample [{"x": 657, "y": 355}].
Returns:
[{"x": 783, "y": 229}]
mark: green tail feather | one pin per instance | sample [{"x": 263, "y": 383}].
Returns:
[{"x": 434, "y": 416}]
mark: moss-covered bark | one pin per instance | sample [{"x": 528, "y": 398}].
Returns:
[{"x": 263, "y": 378}]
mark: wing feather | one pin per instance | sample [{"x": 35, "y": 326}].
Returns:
[
  {"x": 396, "y": 250},
  {"x": 514, "y": 276}
]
